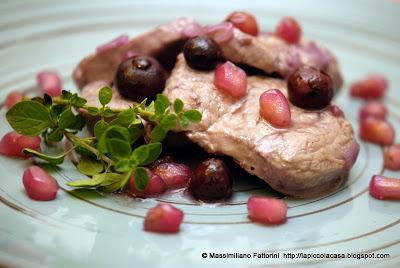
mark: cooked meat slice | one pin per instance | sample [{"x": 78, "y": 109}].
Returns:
[
  {"x": 273, "y": 55},
  {"x": 163, "y": 43},
  {"x": 309, "y": 159}
]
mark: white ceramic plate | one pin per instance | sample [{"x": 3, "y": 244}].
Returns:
[{"x": 84, "y": 229}]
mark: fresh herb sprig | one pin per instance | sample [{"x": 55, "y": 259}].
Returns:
[{"x": 114, "y": 153}]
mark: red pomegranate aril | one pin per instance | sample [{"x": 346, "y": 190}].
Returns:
[
  {"x": 266, "y": 210},
  {"x": 392, "y": 157},
  {"x": 336, "y": 111},
  {"x": 221, "y": 33},
  {"x": 382, "y": 187},
  {"x": 13, "y": 144},
  {"x": 231, "y": 79},
  {"x": 274, "y": 107},
  {"x": 49, "y": 82},
  {"x": 244, "y": 21},
  {"x": 117, "y": 42},
  {"x": 373, "y": 109},
  {"x": 39, "y": 185},
  {"x": 163, "y": 218},
  {"x": 155, "y": 187},
  {"x": 289, "y": 30},
  {"x": 372, "y": 87},
  {"x": 174, "y": 175},
  {"x": 13, "y": 98},
  {"x": 377, "y": 131}
]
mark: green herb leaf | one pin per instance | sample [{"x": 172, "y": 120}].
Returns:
[
  {"x": 93, "y": 111},
  {"x": 97, "y": 180},
  {"x": 194, "y": 116},
  {"x": 77, "y": 101},
  {"x": 140, "y": 155},
  {"x": 54, "y": 160},
  {"x": 184, "y": 121},
  {"x": 105, "y": 95},
  {"x": 99, "y": 128},
  {"x": 154, "y": 152},
  {"x": 123, "y": 165},
  {"x": 124, "y": 118},
  {"x": 169, "y": 122},
  {"x": 136, "y": 131},
  {"x": 29, "y": 118},
  {"x": 107, "y": 112},
  {"x": 118, "y": 149},
  {"x": 55, "y": 135},
  {"x": 178, "y": 105},
  {"x": 89, "y": 166},
  {"x": 158, "y": 134},
  {"x": 66, "y": 95},
  {"x": 141, "y": 178},
  {"x": 161, "y": 104},
  {"x": 115, "y": 182},
  {"x": 66, "y": 119},
  {"x": 78, "y": 123}
]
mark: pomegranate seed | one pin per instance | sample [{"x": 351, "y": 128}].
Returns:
[
  {"x": 13, "y": 143},
  {"x": 221, "y": 33},
  {"x": 373, "y": 86},
  {"x": 336, "y": 111},
  {"x": 163, "y": 218},
  {"x": 192, "y": 30},
  {"x": 377, "y": 131},
  {"x": 289, "y": 30},
  {"x": 118, "y": 41},
  {"x": 39, "y": 185},
  {"x": 266, "y": 210},
  {"x": 49, "y": 82},
  {"x": 374, "y": 109},
  {"x": 274, "y": 108},
  {"x": 155, "y": 187},
  {"x": 392, "y": 157},
  {"x": 231, "y": 79},
  {"x": 13, "y": 97},
  {"x": 244, "y": 21},
  {"x": 174, "y": 175},
  {"x": 382, "y": 187}
]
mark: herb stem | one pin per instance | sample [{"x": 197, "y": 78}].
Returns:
[
  {"x": 59, "y": 100},
  {"x": 79, "y": 142}
]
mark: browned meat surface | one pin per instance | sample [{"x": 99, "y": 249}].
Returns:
[
  {"x": 265, "y": 52},
  {"x": 310, "y": 158},
  {"x": 163, "y": 43},
  {"x": 273, "y": 55}
]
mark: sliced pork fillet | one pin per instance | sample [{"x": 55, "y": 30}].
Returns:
[{"x": 310, "y": 158}]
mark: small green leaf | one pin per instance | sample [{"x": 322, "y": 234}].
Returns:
[
  {"x": 140, "y": 155},
  {"x": 158, "y": 134},
  {"x": 107, "y": 112},
  {"x": 84, "y": 152},
  {"x": 99, "y": 128},
  {"x": 123, "y": 165},
  {"x": 77, "y": 101},
  {"x": 55, "y": 135},
  {"x": 66, "y": 119},
  {"x": 54, "y": 160},
  {"x": 118, "y": 132},
  {"x": 184, "y": 121},
  {"x": 29, "y": 118},
  {"x": 97, "y": 180},
  {"x": 78, "y": 123},
  {"x": 124, "y": 118},
  {"x": 114, "y": 182},
  {"x": 93, "y": 111},
  {"x": 66, "y": 95},
  {"x": 136, "y": 131},
  {"x": 118, "y": 149},
  {"x": 178, "y": 105},
  {"x": 154, "y": 152},
  {"x": 141, "y": 178},
  {"x": 89, "y": 166},
  {"x": 161, "y": 104},
  {"x": 194, "y": 116},
  {"x": 169, "y": 122},
  {"x": 47, "y": 100},
  {"x": 105, "y": 95}
]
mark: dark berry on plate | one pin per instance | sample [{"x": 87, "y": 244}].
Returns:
[
  {"x": 202, "y": 53},
  {"x": 310, "y": 88},
  {"x": 211, "y": 181},
  {"x": 140, "y": 77}
]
